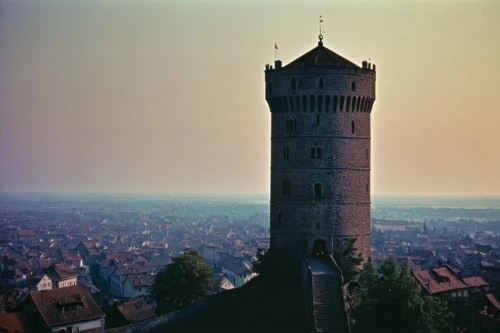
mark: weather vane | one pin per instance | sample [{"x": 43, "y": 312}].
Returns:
[{"x": 320, "y": 31}]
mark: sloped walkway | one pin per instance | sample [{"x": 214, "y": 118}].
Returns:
[{"x": 329, "y": 315}]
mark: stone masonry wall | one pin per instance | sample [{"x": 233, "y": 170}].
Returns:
[{"x": 316, "y": 110}]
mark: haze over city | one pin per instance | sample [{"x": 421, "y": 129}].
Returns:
[{"x": 164, "y": 96}]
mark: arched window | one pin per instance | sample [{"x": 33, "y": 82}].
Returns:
[
  {"x": 294, "y": 84},
  {"x": 321, "y": 83},
  {"x": 353, "y": 127},
  {"x": 317, "y": 119},
  {"x": 318, "y": 190},
  {"x": 348, "y": 103},
  {"x": 286, "y": 187},
  {"x": 318, "y": 153},
  {"x": 313, "y": 152},
  {"x": 353, "y": 86}
]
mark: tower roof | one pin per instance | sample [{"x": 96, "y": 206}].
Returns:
[{"x": 321, "y": 56}]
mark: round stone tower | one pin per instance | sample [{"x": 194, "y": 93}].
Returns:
[{"x": 320, "y": 107}]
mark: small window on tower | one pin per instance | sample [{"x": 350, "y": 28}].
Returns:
[
  {"x": 286, "y": 187},
  {"x": 367, "y": 187},
  {"x": 353, "y": 86},
  {"x": 286, "y": 152},
  {"x": 367, "y": 154},
  {"x": 321, "y": 83},
  {"x": 313, "y": 152},
  {"x": 317, "y": 119},
  {"x": 294, "y": 84},
  {"x": 318, "y": 153},
  {"x": 317, "y": 225},
  {"x": 318, "y": 190},
  {"x": 353, "y": 127}
]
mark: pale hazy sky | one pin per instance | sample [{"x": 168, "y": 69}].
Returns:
[{"x": 163, "y": 96}]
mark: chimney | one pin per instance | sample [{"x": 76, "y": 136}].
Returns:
[{"x": 277, "y": 64}]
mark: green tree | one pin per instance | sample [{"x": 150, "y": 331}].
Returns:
[
  {"x": 262, "y": 264},
  {"x": 390, "y": 300},
  {"x": 348, "y": 261},
  {"x": 185, "y": 281}
]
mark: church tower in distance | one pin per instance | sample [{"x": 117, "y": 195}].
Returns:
[{"x": 320, "y": 107}]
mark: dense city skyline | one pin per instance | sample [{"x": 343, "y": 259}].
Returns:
[{"x": 168, "y": 97}]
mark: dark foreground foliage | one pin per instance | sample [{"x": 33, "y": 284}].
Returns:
[
  {"x": 184, "y": 282},
  {"x": 390, "y": 300}
]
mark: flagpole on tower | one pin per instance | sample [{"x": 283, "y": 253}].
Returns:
[
  {"x": 275, "y": 48},
  {"x": 320, "y": 32}
]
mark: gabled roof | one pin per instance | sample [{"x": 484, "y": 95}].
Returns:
[
  {"x": 136, "y": 310},
  {"x": 440, "y": 280},
  {"x": 321, "y": 56},
  {"x": 48, "y": 303}
]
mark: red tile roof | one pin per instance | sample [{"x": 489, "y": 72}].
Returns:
[
  {"x": 136, "y": 310},
  {"x": 439, "y": 280},
  {"x": 493, "y": 300},
  {"x": 475, "y": 281},
  {"x": 15, "y": 322},
  {"x": 49, "y": 303},
  {"x": 26, "y": 233}
]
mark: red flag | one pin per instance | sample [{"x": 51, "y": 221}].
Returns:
[{"x": 275, "y": 46}]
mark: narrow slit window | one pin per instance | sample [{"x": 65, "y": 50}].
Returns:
[
  {"x": 353, "y": 127},
  {"x": 317, "y": 119},
  {"x": 318, "y": 190},
  {"x": 353, "y": 86},
  {"x": 286, "y": 187},
  {"x": 313, "y": 152},
  {"x": 318, "y": 153},
  {"x": 317, "y": 225}
]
